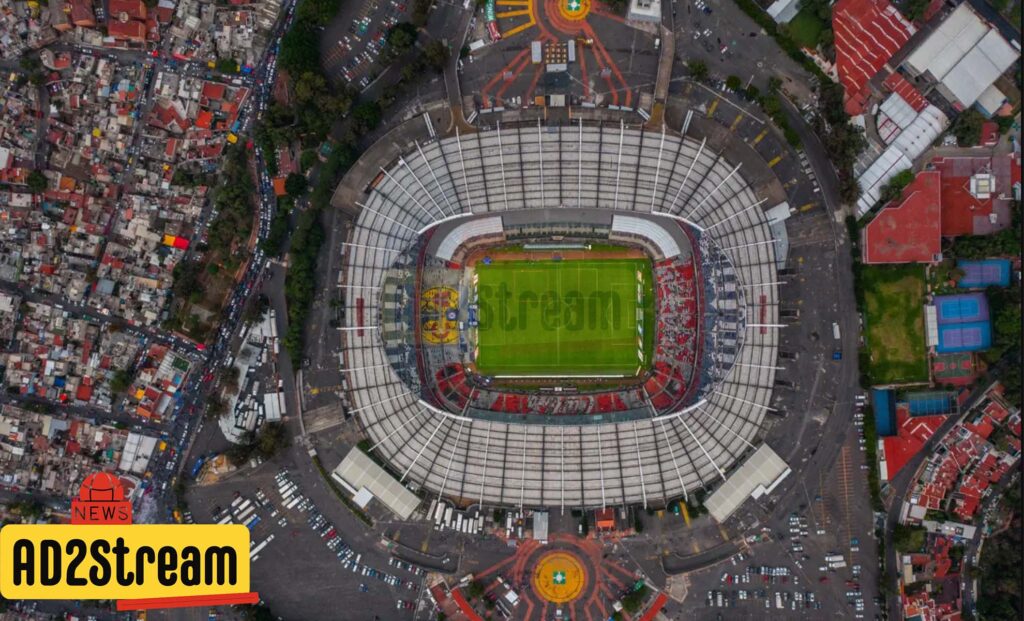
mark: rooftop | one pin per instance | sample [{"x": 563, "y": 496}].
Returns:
[
  {"x": 908, "y": 231},
  {"x": 867, "y": 34}
]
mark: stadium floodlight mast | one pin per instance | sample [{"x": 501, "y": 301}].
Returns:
[
  {"x": 715, "y": 190},
  {"x": 437, "y": 182},
  {"x": 412, "y": 173}
]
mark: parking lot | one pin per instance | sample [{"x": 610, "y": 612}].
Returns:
[
  {"x": 352, "y": 43},
  {"x": 292, "y": 536}
]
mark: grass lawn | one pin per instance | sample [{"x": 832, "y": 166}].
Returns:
[
  {"x": 894, "y": 314},
  {"x": 563, "y": 318},
  {"x": 805, "y": 28}
]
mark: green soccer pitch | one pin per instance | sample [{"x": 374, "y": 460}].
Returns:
[{"x": 564, "y": 318}]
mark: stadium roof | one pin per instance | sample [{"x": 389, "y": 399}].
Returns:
[
  {"x": 535, "y": 462},
  {"x": 358, "y": 472},
  {"x": 867, "y": 34},
  {"x": 965, "y": 54},
  {"x": 757, "y": 476},
  {"x": 908, "y": 231}
]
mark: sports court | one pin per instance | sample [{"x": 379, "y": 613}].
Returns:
[{"x": 564, "y": 318}]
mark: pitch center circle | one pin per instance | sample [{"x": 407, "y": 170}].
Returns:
[{"x": 559, "y": 577}]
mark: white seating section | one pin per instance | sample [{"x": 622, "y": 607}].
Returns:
[
  {"x": 478, "y": 227},
  {"x": 631, "y": 225},
  {"x": 569, "y": 465}
]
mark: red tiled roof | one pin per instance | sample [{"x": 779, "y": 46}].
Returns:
[
  {"x": 962, "y": 213},
  {"x": 204, "y": 120},
  {"x": 899, "y": 85},
  {"x": 279, "y": 186},
  {"x": 135, "y": 9},
  {"x": 911, "y": 434},
  {"x": 130, "y": 29},
  {"x": 867, "y": 34},
  {"x": 464, "y": 606},
  {"x": 213, "y": 91},
  {"x": 908, "y": 231}
]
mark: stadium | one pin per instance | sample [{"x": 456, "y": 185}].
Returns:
[{"x": 577, "y": 316}]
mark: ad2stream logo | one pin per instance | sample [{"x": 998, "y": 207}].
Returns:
[{"x": 102, "y": 555}]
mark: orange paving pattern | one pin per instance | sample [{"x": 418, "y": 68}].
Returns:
[
  {"x": 556, "y": 22},
  {"x": 600, "y": 581}
]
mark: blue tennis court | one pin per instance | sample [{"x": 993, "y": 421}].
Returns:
[
  {"x": 984, "y": 273},
  {"x": 926, "y": 403},
  {"x": 970, "y": 336},
  {"x": 961, "y": 308}
]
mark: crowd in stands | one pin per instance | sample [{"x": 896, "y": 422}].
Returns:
[{"x": 676, "y": 344}]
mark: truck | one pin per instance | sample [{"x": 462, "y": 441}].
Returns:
[
  {"x": 835, "y": 330},
  {"x": 294, "y": 501}
]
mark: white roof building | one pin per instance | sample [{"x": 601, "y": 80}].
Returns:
[
  {"x": 783, "y": 11},
  {"x": 964, "y": 54},
  {"x": 360, "y": 475},
  {"x": 758, "y": 476},
  {"x": 908, "y": 145}
]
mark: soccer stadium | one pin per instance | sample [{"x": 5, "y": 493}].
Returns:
[{"x": 579, "y": 316}]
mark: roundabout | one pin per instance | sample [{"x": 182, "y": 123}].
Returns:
[
  {"x": 568, "y": 574},
  {"x": 559, "y": 577}
]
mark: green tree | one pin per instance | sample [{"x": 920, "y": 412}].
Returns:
[
  {"x": 436, "y": 54},
  {"x": 256, "y": 612},
  {"x": 307, "y": 159},
  {"x": 401, "y": 37},
  {"x": 295, "y": 185},
  {"x": 733, "y": 83},
  {"x": 121, "y": 381},
  {"x": 227, "y": 65},
  {"x": 366, "y": 116},
  {"x": 908, "y": 538},
  {"x": 36, "y": 182},
  {"x": 967, "y": 128},
  {"x": 894, "y": 187},
  {"x": 698, "y": 70}
]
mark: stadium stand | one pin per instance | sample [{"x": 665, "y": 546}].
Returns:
[{"x": 615, "y": 458}]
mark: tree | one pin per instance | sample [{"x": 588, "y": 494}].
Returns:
[
  {"x": 366, "y": 116},
  {"x": 121, "y": 381},
  {"x": 913, "y": 10},
  {"x": 967, "y": 128},
  {"x": 307, "y": 159},
  {"x": 256, "y": 612},
  {"x": 229, "y": 376},
  {"x": 475, "y": 589},
  {"x": 436, "y": 55},
  {"x": 401, "y": 38},
  {"x": 908, "y": 538},
  {"x": 895, "y": 186},
  {"x": 698, "y": 70},
  {"x": 215, "y": 408},
  {"x": 299, "y": 50},
  {"x": 36, "y": 182},
  {"x": 733, "y": 83},
  {"x": 227, "y": 65},
  {"x": 295, "y": 185}
]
